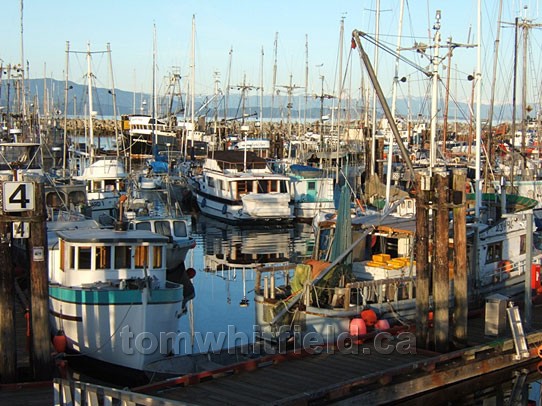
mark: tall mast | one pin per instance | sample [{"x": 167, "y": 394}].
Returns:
[
  {"x": 193, "y": 82},
  {"x": 478, "y": 111},
  {"x": 273, "y": 87},
  {"x": 154, "y": 140},
  {"x": 493, "y": 83},
  {"x": 393, "y": 103},
  {"x": 64, "y": 151},
  {"x": 340, "y": 90},
  {"x": 261, "y": 93},
  {"x": 23, "y": 96},
  {"x": 90, "y": 106},
  {"x": 434, "y": 105},
  {"x": 113, "y": 93},
  {"x": 373, "y": 118},
  {"x": 306, "y": 80}
]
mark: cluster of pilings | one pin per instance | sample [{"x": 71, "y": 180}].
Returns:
[{"x": 438, "y": 192}]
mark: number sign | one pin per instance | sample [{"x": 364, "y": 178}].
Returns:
[{"x": 18, "y": 196}]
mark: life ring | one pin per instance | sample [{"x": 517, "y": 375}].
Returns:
[
  {"x": 413, "y": 157},
  {"x": 224, "y": 209},
  {"x": 505, "y": 265}
]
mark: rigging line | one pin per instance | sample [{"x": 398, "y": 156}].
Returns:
[{"x": 395, "y": 54}]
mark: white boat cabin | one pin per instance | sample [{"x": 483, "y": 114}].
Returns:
[{"x": 90, "y": 258}]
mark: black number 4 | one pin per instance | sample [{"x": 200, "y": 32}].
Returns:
[{"x": 19, "y": 196}]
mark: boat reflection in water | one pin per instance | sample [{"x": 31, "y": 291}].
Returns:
[{"x": 222, "y": 316}]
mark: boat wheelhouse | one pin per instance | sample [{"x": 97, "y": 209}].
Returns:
[{"x": 146, "y": 133}]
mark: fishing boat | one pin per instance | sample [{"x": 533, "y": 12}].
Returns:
[
  {"x": 377, "y": 271},
  {"x": 239, "y": 187},
  {"x": 148, "y": 136},
  {"x": 110, "y": 298}
]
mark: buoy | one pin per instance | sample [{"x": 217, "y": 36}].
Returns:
[
  {"x": 369, "y": 317},
  {"x": 60, "y": 342},
  {"x": 539, "y": 351},
  {"x": 382, "y": 324},
  {"x": 357, "y": 328},
  {"x": 191, "y": 272},
  {"x": 505, "y": 265},
  {"x": 430, "y": 317}
]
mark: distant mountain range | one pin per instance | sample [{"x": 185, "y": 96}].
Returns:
[{"x": 206, "y": 105}]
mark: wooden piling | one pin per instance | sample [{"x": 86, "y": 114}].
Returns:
[
  {"x": 441, "y": 273},
  {"x": 39, "y": 289},
  {"x": 423, "y": 185},
  {"x": 461, "y": 308},
  {"x": 8, "y": 347}
]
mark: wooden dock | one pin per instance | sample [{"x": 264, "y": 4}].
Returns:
[
  {"x": 360, "y": 376},
  {"x": 366, "y": 377}
]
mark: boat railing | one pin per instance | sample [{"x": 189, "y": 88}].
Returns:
[
  {"x": 78, "y": 393},
  {"x": 504, "y": 270},
  {"x": 358, "y": 293}
]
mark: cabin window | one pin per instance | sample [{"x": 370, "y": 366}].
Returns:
[
  {"x": 283, "y": 187},
  {"x": 110, "y": 185},
  {"x": 62, "y": 255},
  {"x": 179, "y": 229},
  {"x": 85, "y": 258},
  {"x": 522, "y": 244},
  {"x": 210, "y": 182},
  {"x": 72, "y": 257},
  {"x": 264, "y": 186},
  {"x": 311, "y": 185},
  {"x": 494, "y": 252},
  {"x": 162, "y": 228},
  {"x": 242, "y": 187},
  {"x": 123, "y": 257},
  {"x": 141, "y": 257},
  {"x": 144, "y": 225},
  {"x": 157, "y": 257},
  {"x": 103, "y": 257}
]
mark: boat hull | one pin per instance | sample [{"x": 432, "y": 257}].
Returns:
[{"x": 122, "y": 327}]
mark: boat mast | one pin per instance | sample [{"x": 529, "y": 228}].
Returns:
[
  {"x": 273, "y": 88},
  {"x": 154, "y": 138},
  {"x": 340, "y": 90},
  {"x": 373, "y": 118},
  {"x": 261, "y": 93},
  {"x": 434, "y": 105},
  {"x": 393, "y": 104},
  {"x": 90, "y": 107},
  {"x": 114, "y": 100},
  {"x": 493, "y": 83},
  {"x": 478, "y": 112},
  {"x": 66, "y": 88},
  {"x": 193, "y": 83}
]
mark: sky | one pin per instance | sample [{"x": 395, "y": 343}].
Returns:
[{"x": 230, "y": 36}]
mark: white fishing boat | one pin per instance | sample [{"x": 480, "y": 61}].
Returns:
[
  {"x": 239, "y": 187},
  {"x": 177, "y": 229},
  {"x": 109, "y": 296}
]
